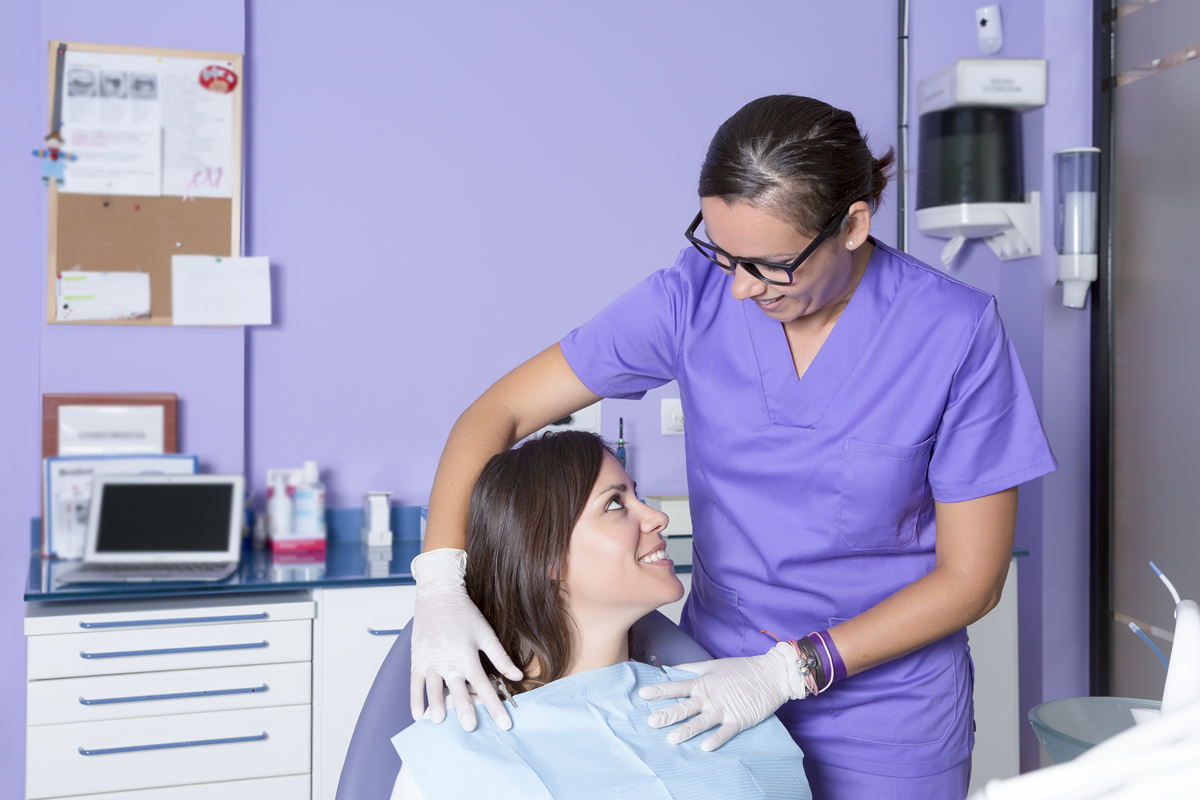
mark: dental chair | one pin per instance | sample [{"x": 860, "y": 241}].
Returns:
[{"x": 372, "y": 764}]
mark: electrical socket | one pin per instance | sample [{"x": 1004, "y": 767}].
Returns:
[{"x": 672, "y": 416}]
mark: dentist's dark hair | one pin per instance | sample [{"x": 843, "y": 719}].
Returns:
[
  {"x": 523, "y": 510},
  {"x": 800, "y": 158}
]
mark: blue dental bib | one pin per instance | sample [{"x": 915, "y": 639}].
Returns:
[{"x": 586, "y": 736}]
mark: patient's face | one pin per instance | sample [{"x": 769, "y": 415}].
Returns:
[{"x": 617, "y": 557}]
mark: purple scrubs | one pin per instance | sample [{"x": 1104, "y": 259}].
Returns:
[{"x": 813, "y": 499}]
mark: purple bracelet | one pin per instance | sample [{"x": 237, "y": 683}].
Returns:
[{"x": 831, "y": 659}]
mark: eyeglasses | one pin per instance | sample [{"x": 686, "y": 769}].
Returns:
[{"x": 765, "y": 271}]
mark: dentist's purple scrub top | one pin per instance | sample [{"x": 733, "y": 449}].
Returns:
[{"x": 813, "y": 499}]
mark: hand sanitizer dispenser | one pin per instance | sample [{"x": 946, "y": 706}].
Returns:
[
  {"x": 377, "y": 515},
  {"x": 970, "y": 171}
]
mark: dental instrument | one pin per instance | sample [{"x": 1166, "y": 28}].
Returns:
[
  {"x": 1167, "y": 582},
  {"x": 1133, "y": 626},
  {"x": 621, "y": 444}
]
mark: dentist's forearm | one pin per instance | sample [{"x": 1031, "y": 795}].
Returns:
[
  {"x": 533, "y": 395},
  {"x": 482, "y": 431}
]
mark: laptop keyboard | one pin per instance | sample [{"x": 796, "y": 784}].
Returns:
[{"x": 183, "y": 568}]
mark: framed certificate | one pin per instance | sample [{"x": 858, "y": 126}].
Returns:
[{"x": 109, "y": 424}]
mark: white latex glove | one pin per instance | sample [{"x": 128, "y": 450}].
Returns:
[
  {"x": 448, "y": 633},
  {"x": 735, "y": 693}
]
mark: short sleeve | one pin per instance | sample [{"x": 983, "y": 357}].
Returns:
[
  {"x": 990, "y": 438},
  {"x": 633, "y": 345}
]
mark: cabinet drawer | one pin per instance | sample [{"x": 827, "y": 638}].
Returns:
[
  {"x": 288, "y": 787},
  {"x": 111, "y": 652},
  {"x": 156, "y": 694},
  {"x": 148, "y": 752}
]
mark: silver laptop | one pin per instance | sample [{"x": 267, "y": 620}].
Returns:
[{"x": 162, "y": 528}]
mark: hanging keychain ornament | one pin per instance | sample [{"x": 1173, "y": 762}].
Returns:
[{"x": 54, "y": 159}]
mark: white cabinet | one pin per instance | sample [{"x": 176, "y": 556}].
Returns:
[
  {"x": 158, "y": 699},
  {"x": 288, "y": 787},
  {"x": 352, "y": 634},
  {"x": 998, "y": 719},
  {"x": 176, "y": 749}
]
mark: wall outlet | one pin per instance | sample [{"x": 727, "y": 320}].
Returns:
[{"x": 672, "y": 416}]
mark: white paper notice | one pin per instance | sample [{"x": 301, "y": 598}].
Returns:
[
  {"x": 109, "y": 430},
  {"x": 103, "y": 295},
  {"x": 197, "y": 118},
  {"x": 211, "y": 290},
  {"x": 112, "y": 124}
]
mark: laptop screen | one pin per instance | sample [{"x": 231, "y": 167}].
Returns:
[{"x": 165, "y": 518}]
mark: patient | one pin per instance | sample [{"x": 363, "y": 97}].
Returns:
[{"x": 563, "y": 559}]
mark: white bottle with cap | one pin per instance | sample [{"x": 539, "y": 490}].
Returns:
[
  {"x": 308, "y": 504},
  {"x": 279, "y": 509}
]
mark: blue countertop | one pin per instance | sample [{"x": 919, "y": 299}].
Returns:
[{"x": 343, "y": 564}]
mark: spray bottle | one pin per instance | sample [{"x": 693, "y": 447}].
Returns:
[{"x": 310, "y": 504}]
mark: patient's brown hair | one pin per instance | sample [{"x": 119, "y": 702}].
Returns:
[{"x": 523, "y": 509}]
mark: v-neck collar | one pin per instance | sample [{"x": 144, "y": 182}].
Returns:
[{"x": 802, "y": 402}]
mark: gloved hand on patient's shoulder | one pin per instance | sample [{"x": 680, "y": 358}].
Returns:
[
  {"x": 735, "y": 693},
  {"x": 448, "y": 633}
]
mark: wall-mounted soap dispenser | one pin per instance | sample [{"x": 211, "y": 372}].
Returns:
[{"x": 970, "y": 172}]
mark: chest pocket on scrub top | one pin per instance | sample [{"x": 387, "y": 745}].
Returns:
[{"x": 883, "y": 488}]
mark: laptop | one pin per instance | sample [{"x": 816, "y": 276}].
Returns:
[{"x": 162, "y": 528}]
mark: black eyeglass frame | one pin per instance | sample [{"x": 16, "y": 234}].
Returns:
[{"x": 750, "y": 265}]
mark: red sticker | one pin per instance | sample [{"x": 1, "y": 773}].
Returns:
[{"x": 218, "y": 79}]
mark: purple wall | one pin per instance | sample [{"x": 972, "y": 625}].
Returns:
[
  {"x": 473, "y": 186},
  {"x": 21, "y": 253},
  {"x": 1052, "y": 341},
  {"x": 430, "y": 183},
  {"x": 204, "y": 367}
]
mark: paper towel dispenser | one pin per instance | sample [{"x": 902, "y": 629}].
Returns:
[{"x": 970, "y": 172}]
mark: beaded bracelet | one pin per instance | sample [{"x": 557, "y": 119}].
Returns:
[{"x": 808, "y": 663}]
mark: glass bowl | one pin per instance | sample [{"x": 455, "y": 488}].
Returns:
[{"x": 1068, "y": 727}]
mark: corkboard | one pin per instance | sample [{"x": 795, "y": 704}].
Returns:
[{"x": 125, "y": 233}]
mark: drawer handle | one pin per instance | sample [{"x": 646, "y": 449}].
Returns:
[
  {"x": 391, "y": 632},
  {"x": 169, "y": 650},
  {"x": 180, "y": 621},
  {"x": 175, "y": 696},
  {"x": 168, "y": 745}
]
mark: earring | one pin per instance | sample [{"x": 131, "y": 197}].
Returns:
[{"x": 850, "y": 244}]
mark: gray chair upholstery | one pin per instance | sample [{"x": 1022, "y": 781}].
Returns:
[{"x": 372, "y": 764}]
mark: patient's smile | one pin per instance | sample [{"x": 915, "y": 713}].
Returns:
[{"x": 657, "y": 555}]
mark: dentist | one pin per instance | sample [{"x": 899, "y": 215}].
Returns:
[{"x": 857, "y": 426}]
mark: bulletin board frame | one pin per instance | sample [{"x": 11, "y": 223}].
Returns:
[{"x": 128, "y": 233}]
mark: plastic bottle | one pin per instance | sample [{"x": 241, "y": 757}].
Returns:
[
  {"x": 309, "y": 498},
  {"x": 279, "y": 509}
]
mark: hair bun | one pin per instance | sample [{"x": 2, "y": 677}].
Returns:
[{"x": 881, "y": 173}]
